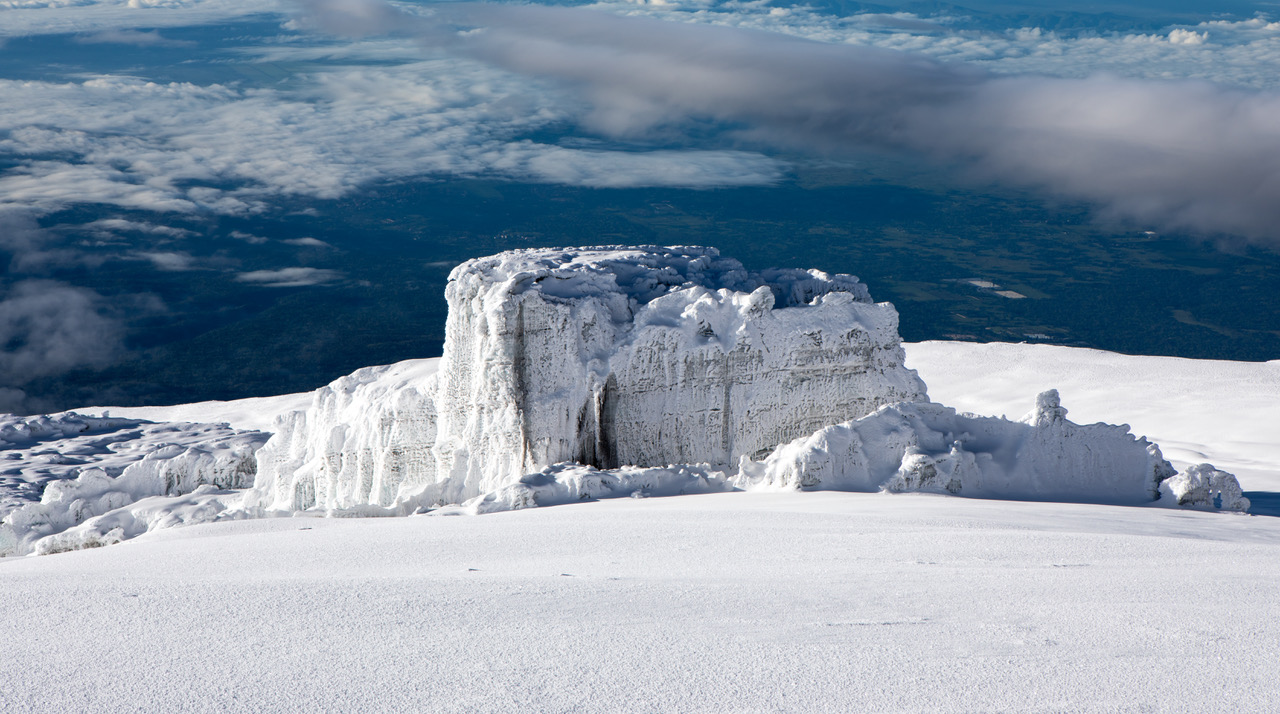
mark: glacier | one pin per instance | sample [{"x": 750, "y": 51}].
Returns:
[
  {"x": 573, "y": 374},
  {"x": 607, "y": 357},
  {"x": 586, "y": 373}
]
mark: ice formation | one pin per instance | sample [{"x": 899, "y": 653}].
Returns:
[
  {"x": 929, "y": 447},
  {"x": 602, "y": 356},
  {"x": 60, "y": 472},
  {"x": 581, "y": 374}
]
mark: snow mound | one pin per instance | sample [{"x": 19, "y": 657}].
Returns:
[
  {"x": 59, "y": 471},
  {"x": 930, "y": 447},
  {"x": 1205, "y": 488},
  {"x": 607, "y": 357},
  {"x": 203, "y": 505}
]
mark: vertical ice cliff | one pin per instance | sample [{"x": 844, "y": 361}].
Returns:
[{"x": 609, "y": 356}]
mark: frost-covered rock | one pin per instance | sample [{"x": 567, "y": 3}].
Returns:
[
  {"x": 607, "y": 357},
  {"x": 1204, "y": 487},
  {"x": 930, "y": 447},
  {"x": 62, "y": 470}
]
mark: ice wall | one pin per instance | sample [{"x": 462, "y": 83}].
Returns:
[
  {"x": 627, "y": 361},
  {"x": 366, "y": 440},
  {"x": 608, "y": 356}
]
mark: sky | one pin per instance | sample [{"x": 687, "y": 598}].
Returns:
[{"x": 151, "y": 134}]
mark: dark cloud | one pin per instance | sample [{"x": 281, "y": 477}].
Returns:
[
  {"x": 1177, "y": 155},
  {"x": 31, "y": 249}
]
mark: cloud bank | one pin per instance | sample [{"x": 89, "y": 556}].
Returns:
[
  {"x": 180, "y": 147},
  {"x": 1178, "y": 155}
]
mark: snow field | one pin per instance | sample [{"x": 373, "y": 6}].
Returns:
[{"x": 722, "y": 602}]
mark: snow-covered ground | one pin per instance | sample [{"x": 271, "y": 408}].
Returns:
[{"x": 726, "y": 602}]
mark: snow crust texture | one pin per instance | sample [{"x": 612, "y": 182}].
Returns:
[
  {"x": 607, "y": 357},
  {"x": 62, "y": 474}
]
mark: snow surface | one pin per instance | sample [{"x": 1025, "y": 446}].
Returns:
[
  {"x": 837, "y": 602},
  {"x": 1226, "y": 413},
  {"x": 252, "y": 414}
]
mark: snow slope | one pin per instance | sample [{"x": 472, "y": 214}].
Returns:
[
  {"x": 252, "y": 414},
  {"x": 750, "y": 602}
]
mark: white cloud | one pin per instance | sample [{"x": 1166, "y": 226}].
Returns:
[
  {"x": 307, "y": 242},
  {"x": 176, "y": 147},
  {"x": 233, "y": 150},
  {"x": 1242, "y": 53},
  {"x": 289, "y": 277},
  {"x": 1181, "y": 155},
  {"x": 169, "y": 261},
  {"x": 122, "y": 225},
  {"x": 132, "y": 37},
  {"x": 1179, "y": 36},
  {"x": 248, "y": 237},
  {"x": 34, "y": 17}
]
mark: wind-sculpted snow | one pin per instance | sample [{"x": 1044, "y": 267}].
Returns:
[
  {"x": 367, "y": 439},
  {"x": 930, "y": 447},
  {"x": 65, "y": 470},
  {"x": 607, "y": 357}
]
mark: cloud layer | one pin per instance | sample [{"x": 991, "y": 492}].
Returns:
[
  {"x": 722, "y": 85},
  {"x": 1182, "y": 155},
  {"x": 183, "y": 147}
]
